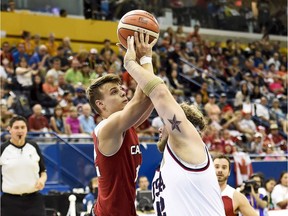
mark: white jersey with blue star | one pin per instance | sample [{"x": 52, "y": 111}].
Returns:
[{"x": 184, "y": 189}]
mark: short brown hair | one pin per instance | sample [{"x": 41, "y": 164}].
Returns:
[
  {"x": 195, "y": 116},
  {"x": 18, "y": 118},
  {"x": 93, "y": 93},
  {"x": 222, "y": 156}
]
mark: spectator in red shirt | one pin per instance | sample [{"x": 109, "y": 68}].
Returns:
[{"x": 37, "y": 122}]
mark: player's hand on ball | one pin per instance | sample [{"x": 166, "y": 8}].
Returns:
[
  {"x": 130, "y": 53},
  {"x": 143, "y": 47}
]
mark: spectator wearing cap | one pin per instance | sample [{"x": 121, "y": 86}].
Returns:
[
  {"x": 212, "y": 109},
  {"x": 222, "y": 103},
  {"x": 256, "y": 146},
  {"x": 93, "y": 58},
  {"x": 86, "y": 120},
  {"x": 276, "y": 138},
  {"x": 80, "y": 97},
  {"x": 107, "y": 47},
  {"x": 73, "y": 75}
]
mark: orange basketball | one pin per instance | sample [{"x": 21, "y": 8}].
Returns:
[{"x": 137, "y": 20}]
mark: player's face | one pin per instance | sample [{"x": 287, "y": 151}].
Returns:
[
  {"x": 163, "y": 138},
  {"x": 222, "y": 169},
  {"x": 114, "y": 97},
  {"x": 18, "y": 130}
]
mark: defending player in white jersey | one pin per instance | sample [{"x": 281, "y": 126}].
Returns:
[{"x": 186, "y": 184}]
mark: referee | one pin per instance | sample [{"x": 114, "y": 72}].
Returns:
[{"x": 23, "y": 173}]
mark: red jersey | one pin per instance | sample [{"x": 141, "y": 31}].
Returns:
[
  {"x": 117, "y": 176},
  {"x": 227, "y": 197}
]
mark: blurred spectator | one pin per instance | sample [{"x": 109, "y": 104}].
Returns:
[
  {"x": 276, "y": 86},
  {"x": 66, "y": 103},
  {"x": 279, "y": 194},
  {"x": 247, "y": 125},
  {"x": 256, "y": 146},
  {"x": 73, "y": 123},
  {"x": 24, "y": 75},
  {"x": 242, "y": 95},
  {"x": 66, "y": 44},
  {"x": 37, "y": 122},
  {"x": 55, "y": 70},
  {"x": 58, "y": 121},
  {"x": 107, "y": 47},
  {"x": 197, "y": 101},
  {"x": 63, "y": 13},
  {"x": 52, "y": 45},
  {"x": 175, "y": 82},
  {"x": 180, "y": 35},
  {"x": 37, "y": 42},
  {"x": 212, "y": 109},
  {"x": 274, "y": 60},
  {"x": 28, "y": 43},
  {"x": 93, "y": 58},
  {"x": 195, "y": 34},
  {"x": 6, "y": 55},
  {"x": 20, "y": 53},
  {"x": 90, "y": 198},
  {"x": 39, "y": 60},
  {"x": 269, "y": 185},
  {"x": 50, "y": 88},
  {"x": 256, "y": 93},
  {"x": 261, "y": 109},
  {"x": 204, "y": 92},
  {"x": 64, "y": 63},
  {"x": 82, "y": 57},
  {"x": 276, "y": 111},
  {"x": 223, "y": 103},
  {"x": 5, "y": 116},
  {"x": 73, "y": 75},
  {"x": 86, "y": 120},
  {"x": 63, "y": 85},
  {"x": 276, "y": 138},
  {"x": 87, "y": 74},
  {"x": 80, "y": 97}
]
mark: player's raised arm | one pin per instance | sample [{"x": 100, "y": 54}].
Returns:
[{"x": 182, "y": 134}]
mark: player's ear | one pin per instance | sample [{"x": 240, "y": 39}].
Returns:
[{"x": 99, "y": 104}]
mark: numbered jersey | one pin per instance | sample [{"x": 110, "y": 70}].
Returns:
[
  {"x": 183, "y": 189},
  {"x": 117, "y": 176}
]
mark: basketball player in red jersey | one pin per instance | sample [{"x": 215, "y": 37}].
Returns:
[
  {"x": 233, "y": 200},
  {"x": 117, "y": 151}
]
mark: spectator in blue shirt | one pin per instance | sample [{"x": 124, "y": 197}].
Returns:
[
  {"x": 19, "y": 54},
  {"x": 86, "y": 120}
]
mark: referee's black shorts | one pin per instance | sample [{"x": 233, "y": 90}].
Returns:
[{"x": 22, "y": 205}]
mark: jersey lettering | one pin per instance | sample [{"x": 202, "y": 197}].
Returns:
[
  {"x": 158, "y": 187},
  {"x": 135, "y": 150}
]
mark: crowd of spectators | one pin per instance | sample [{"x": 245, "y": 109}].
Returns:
[{"x": 241, "y": 88}]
